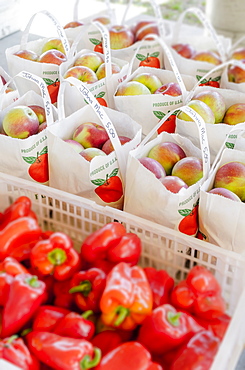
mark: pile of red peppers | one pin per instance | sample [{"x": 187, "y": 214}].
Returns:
[{"x": 97, "y": 308}]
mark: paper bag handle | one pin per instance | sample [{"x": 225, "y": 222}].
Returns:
[{"x": 60, "y": 31}]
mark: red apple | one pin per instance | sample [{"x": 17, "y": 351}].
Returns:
[
  {"x": 173, "y": 183},
  {"x": 52, "y": 56},
  {"x": 142, "y": 23},
  {"x": 149, "y": 79},
  {"x": 189, "y": 169},
  {"x": 185, "y": 50},
  {"x": 53, "y": 44},
  {"x": 90, "y": 153},
  {"x": 132, "y": 88},
  {"x": 27, "y": 54},
  {"x": 215, "y": 101},
  {"x": 235, "y": 114},
  {"x": 225, "y": 193},
  {"x": 75, "y": 145},
  {"x": 236, "y": 74},
  {"x": 201, "y": 108},
  {"x": 90, "y": 134},
  {"x": 108, "y": 147},
  {"x": 207, "y": 56},
  {"x": 154, "y": 166},
  {"x": 103, "y": 19},
  {"x": 101, "y": 71},
  {"x": 20, "y": 122},
  {"x": 40, "y": 112},
  {"x": 167, "y": 154},
  {"x": 120, "y": 37},
  {"x": 231, "y": 176},
  {"x": 238, "y": 53},
  {"x": 170, "y": 88},
  {"x": 73, "y": 24},
  {"x": 82, "y": 73},
  {"x": 90, "y": 60},
  {"x": 148, "y": 29}
]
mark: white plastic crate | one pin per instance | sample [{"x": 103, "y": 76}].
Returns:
[{"x": 162, "y": 248}]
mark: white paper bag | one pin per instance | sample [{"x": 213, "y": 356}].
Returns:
[{"x": 9, "y": 95}]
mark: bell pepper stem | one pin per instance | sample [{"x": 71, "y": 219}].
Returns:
[
  {"x": 86, "y": 314},
  {"x": 57, "y": 256},
  {"x": 10, "y": 340},
  {"x": 122, "y": 313},
  {"x": 88, "y": 363},
  {"x": 84, "y": 288},
  {"x": 173, "y": 318},
  {"x": 33, "y": 281}
]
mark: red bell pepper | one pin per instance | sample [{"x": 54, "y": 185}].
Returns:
[
  {"x": 26, "y": 294},
  {"x": 166, "y": 329},
  {"x": 74, "y": 325},
  {"x": 62, "y": 296},
  {"x": 161, "y": 284},
  {"x": 200, "y": 294},
  {"x": 5, "y": 283},
  {"x": 130, "y": 355},
  {"x": 217, "y": 326},
  {"x": 198, "y": 353},
  {"x": 62, "y": 353},
  {"x": 127, "y": 298},
  {"x": 12, "y": 267},
  {"x": 57, "y": 256},
  {"x": 14, "y": 350},
  {"x": 87, "y": 287},
  {"x": 16, "y": 233},
  {"x": 47, "y": 317},
  {"x": 113, "y": 244},
  {"x": 106, "y": 341}
]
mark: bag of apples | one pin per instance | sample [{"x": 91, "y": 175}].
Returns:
[
  {"x": 9, "y": 93},
  {"x": 23, "y": 139},
  {"x": 41, "y": 57},
  {"x": 149, "y": 93},
  {"x": 196, "y": 52},
  {"x": 81, "y": 146},
  {"x": 164, "y": 176},
  {"x": 220, "y": 108},
  {"x": 100, "y": 71},
  {"x": 222, "y": 196}
]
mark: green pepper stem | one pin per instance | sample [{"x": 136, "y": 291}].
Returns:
[
  {"x": 84, "y": 288},
  {"x": 25, "y": 332},
  {"x": 10, "y": 340},
  {"x": 88, "y": 363},
  {"x": 87, "y": 313},
  {"x": 173, "y": 318},
  {"x": 33, "y": 281},
  {"x": 122, "y": 313},
  {"x": 57, "y": 256}
]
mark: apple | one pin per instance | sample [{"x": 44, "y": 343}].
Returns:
[
  {"x": 185, "y": 50},
  {"x": 235, "y": 114},
  {"x": 90, "y": 134},
  {"x": 53, "y": 44},
  {"x": 189, "y": 169},
  {"x": 154, "y": 166},
  {"x": 173, "y": 183},
  {"x": 141, "y": 23},
  {"x": 108, "y": 146},
  {"x": 236, "y": 74},
  {"x": 52, "y": 56},
  {"x": 170, "y": 88},
  {"x": 27, "y": 54},
  {"x": 150, "y": 80},
  {"x": 82, "y": 73},
  {"x": 42, "y": 126},
  {"x": 101, "y": 71},
  {"x": 90, "y": 60},
  {"x": 167, "y": 154},
  {"x": 207, "y": 56},
  {"x": 73, "y": 24},
  {"x": 75, "y": 145},
  {"x": 120, "y": 37},
  {"x": 201, "y": 108},
  {"x": 132, "y": 88},
  {"x": 90, "y": 153},
  {"x": 20, "y": 122},
  {"x": 231, "y": 176},
  {"x": 238, "y": 53},
  {"x": 103, "y": 19},
  {"x": 215, "y": 101},
  {"x": 225, "y": 193},
  {"x": 40, "y": 112},
  {"x": 148, "y": 29}
]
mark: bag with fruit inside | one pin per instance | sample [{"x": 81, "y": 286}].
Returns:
[
  {"x": 101, "y": 74},
  {"x": 220, "y": 108},
  {"x": 164, "y": 176},
  {"x": 23, "y": 139},
  {"x": 7, "y": 94},
  {"x": 222, "y": 196},
  {"x": 41, "y": 57},
  {"x": 81, "y": 146},
  {"x": 149, "y": 93},
  {"x": 197, "y": 51}
]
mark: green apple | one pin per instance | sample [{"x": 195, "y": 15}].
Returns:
[
  {"x": 215, "y": 101},
  {"x": 201, "y": 108},
  {"x": 132, "y": 88},
  {"x": 53, "y": 43},
  {"x": 101, "y": 71},
  {"x": 150, "y": 80}
]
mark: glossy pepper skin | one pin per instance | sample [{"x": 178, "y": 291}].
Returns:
[
  {"x": 129, "y": 355},
  {"x": 127, "y": 298},
  {"x": 47, "y": 317},
  {"x": 26, "y": 294},
  {"x": 110, "y": 245},
  {"x": 74, "y": 325},
  {"x": 87, "y": 288},
  {"x": 15, "y": 351},
  {"x": 62, "y": 353},
  {"x": 166, "y": 329},
  {"x": 62, "y": 297},
  {"x": 106, "y": 341},
  {"x": 5, "y": 283},
  {"x": 161, "y": 284},
  {"x": 16, "y": 233},
  {"x": 198, "y": 353},
  {"x": 200, "y": 294},
  {"x": 12, "y": 267},
  {"x": 56, "y": 255}
]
